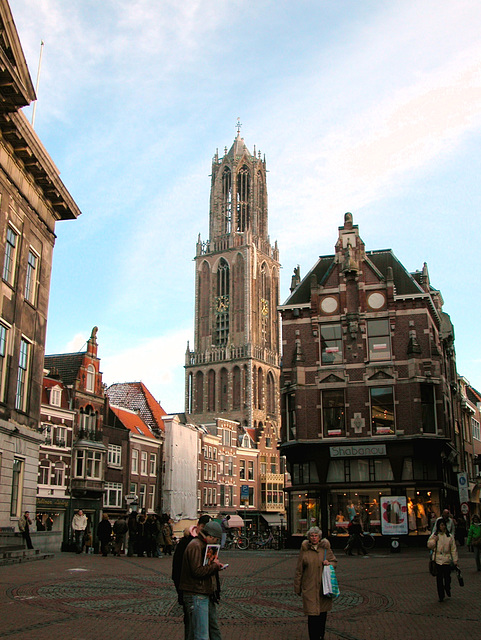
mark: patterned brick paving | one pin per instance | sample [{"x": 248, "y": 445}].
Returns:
[{"x": 89, "y": 597}]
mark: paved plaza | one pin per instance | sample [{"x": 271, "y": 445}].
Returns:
[{"x": 383, "y": 596}]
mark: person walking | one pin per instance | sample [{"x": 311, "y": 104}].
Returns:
[
  {"x": 445, "y": 553},
  {"x": 315, "y": 555},
  {"x": 189, "y": 534},
  {"x": 79, "y": 524},
  {"x": 133, "y": 533},
  {"x": 24, "y": 524},
  {"x": 355, "y": 538},
  {"x": 225, "y": 530},
  {"x": 474, "y": 539},
  {"x": 448, "y": 519},
  {"x": 104, "y": 534},
  {"x": 198, "y": 584},
  {"x": 168, "y": 532},
  {"x": 120, "y": 528}
]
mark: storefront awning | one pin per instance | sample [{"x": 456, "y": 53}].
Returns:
[
  {"x": 272, "y": 519},
  {"x": 235, "y": 521}
]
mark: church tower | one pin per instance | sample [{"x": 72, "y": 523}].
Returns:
[{"x": 233, "y": 371}]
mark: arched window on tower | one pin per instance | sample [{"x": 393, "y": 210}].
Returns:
[
  {"x": 254, "y": 387},
  {"x": 260, "y": 388},
  {"x": 190, "y": 393},
  {"x": 236, "y": 388},
  {"x": 243, "y": 193},
  {"x": 226, "y": 201},
  {"x": 204, "y": 299},
  {"x": 199, "y": 392},
  {"x": 265, "y": 305},
  {"x": 260, "y": 205},
  {"x": 223, "y": 391},
  {"x": 271, "y": 394},
  {"x": 238, "y": 294},
  {"x": 211, "y": 390},
  {"x": 222, "y": 303}
]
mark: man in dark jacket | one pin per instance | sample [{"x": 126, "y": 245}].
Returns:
[
  {"x": 104, "y": 534},
  {"x": 120, "y": 529},
  {"x": 198, "y": 583},
  {"x": 189, "y": 535}
]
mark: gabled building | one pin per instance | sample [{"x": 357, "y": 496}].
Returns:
[
  {"x": 80, "y": 374},
  {"x": 134, "y": 463},
  {"x": 32, "y": 200},
  {"x": 369, "y": 389}
]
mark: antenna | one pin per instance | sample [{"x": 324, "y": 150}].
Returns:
[{"x": 38, "y": 80}]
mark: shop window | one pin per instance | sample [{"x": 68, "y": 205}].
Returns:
[
  {"x": 379, "y": 340},
  {"x": 333, "y": 413},
  {"x": 428, "y": 411},
  {"x": 304, "y": 512},
  {"x": 382, "y": 410},
  {"x": 359, "y": 470},
  {"x": 336, "y": 471},
  {"x": 331, "y": 344},
  {"x": 382, "y": 469}
]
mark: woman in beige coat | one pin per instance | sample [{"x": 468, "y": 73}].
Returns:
[
  {"x": 315, "y": 554},
  {"x": 445, "y": 553}
]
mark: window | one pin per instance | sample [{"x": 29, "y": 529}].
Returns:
[
  {"x": 222, "y": 495},
  {"x": 379, "y": 340},
  {"x": 153, "y": 464},
  {"x": 382, "y": 410},
  {"x": 205, "y": 495},
  {"x": 11, "y": 246},
  {"x": 142, "y": 494},
  {"x": 93, "y": 467},
  {"x": 304, "y": 473},
  {"x": 90, "y": 386},
  {"x": 428, "y": 412},
  {"x": 331, "y": 344},
  {"x": 151, "y": 505},
  {"x": 271, "y": 394},
  {"x": 273, "y": 464},
  {"x": 56, "y": 396},
  {"x": 80, "y": 464},
  {"x": 250, "y": 470},
  {"x": 58, "y": 474},
  {"x": 114, "y": 458},
  {"x": 113, "y": 494},
  {"x": 3, "y": 360},
  {"x": 230, "y": 466},
  {"x": 242, "y": 469},
  {"x": 143, "y": 463},
  {"x": 17, "y": 488},
  {"x": 44, "y": 472},
  {"x": 251, "y": 496},
  {"x": 206, "y": 472},
  {"x": 22, "y": 375},
  {"x": 133, "y": 488},
  {"x": 475, "y": 429},
  {"x": 61, "y": 436},
  {"x": 214, "y": 472},
  {"x": 31, "y": 277},
  {"x": 333, "y": 413},
  {"x": 263, "y": 465},
  {"x": 135, "y": 461}
]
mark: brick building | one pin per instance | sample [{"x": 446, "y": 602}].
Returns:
[
  {"x": 368, "y": 392},
  {"x": 233, "y": 372},
  {"x": 32, "y": 200}
]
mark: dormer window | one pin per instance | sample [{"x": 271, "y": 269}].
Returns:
[
  {"x": 56, "y": 396},
  {"x": 90, "y": 378}
]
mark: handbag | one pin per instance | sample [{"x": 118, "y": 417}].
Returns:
[
  {"x": 330, "y": 586},
  {"x": 460, "y": 577},
  {"x": 433, "y": 567}
]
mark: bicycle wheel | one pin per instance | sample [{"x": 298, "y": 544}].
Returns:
[{"x": 242, "y": 542}]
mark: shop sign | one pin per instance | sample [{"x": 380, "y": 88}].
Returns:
[
  {"x": 52, "y": 503},
  {"x": 359, "y": 451},
  {"x": 394, "y": 516}
]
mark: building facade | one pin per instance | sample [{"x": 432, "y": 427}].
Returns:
[
  {"x": 368, "y": 392},
  {"x": 233, "y": 371},
  {"x": 32, "y": 200}
]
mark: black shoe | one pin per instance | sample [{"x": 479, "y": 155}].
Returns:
[
  {"x": 448, "y": 593},
  {"x": 441, "y": 599}
]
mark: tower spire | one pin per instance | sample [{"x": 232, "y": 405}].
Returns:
[{"x": 238, "y": 127}]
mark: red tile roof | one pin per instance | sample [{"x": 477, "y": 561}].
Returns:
[
  {"x": 132, "y": 421},
  {"x": 136, "y": 396}
]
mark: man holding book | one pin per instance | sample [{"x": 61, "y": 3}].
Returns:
[{"x": 200, "y": 567}]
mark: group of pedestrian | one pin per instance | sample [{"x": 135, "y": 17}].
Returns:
[{"x": 151, "y": 535}]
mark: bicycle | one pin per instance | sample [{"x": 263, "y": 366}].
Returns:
[
  {"x": 368, "y": 540},
  {"x": 260, "y": 542},
  {"x": 235, "y": 540}
]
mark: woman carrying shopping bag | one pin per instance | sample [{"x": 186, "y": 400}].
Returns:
[
  {"x": 315, "y": 555},
  {"x": 445, "y": 555}
]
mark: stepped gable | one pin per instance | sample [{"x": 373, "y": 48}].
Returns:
[
  {"x": 136, "y": 397},
  {"x": 65, "y": 365}
]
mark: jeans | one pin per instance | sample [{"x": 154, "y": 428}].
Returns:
[
  {"x": 79, "y": 540},
  {"x": 202, "y": 617}
]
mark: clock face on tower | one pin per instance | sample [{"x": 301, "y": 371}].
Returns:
[{"x": 221, "y": 304}]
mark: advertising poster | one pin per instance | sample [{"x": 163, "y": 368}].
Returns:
[{"x": 394, "y": 516}]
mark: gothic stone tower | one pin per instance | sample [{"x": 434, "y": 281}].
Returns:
[{"x": 233, "y": 372}]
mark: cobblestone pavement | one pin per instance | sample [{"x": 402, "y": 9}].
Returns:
[{"x": 383, "y": 596}]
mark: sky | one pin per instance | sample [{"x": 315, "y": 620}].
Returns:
[{"x": 370, "y": 107}]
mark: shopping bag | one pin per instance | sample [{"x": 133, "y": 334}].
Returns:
[
  {"x": 433, "y": 567},
  {"x": 460, "y": 577},
  {"x": 330, "y": 586}
]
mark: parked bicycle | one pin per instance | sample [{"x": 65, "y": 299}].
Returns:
[
  {"x": 368, "y": 540},
  {"x": 262, "y": 542},
  {"x": 236, "y": 541}
]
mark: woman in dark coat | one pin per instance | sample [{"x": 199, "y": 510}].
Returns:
[
  {"x": 315, "y": 555},
  {"x": 104, "y": 534}
]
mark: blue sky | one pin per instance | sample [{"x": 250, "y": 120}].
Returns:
[{"x": 371, "y": 107}]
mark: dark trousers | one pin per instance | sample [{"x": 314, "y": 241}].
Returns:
[
  {"x": 443, "y": 580},
  {"x": 28, "y": 541},
  {"x": 316, "y": 626},
  {"x": 79, "y": 540},
  {"x": 104, "y": 546}
]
